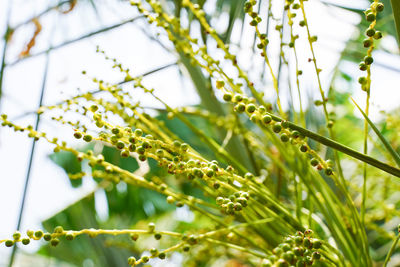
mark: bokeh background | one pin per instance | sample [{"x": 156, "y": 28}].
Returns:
[{"x": 68, "y": 33}]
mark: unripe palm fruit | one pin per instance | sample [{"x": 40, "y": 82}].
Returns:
[
  {"x": 9, "y": 243},
  {"x": 266, "y": 119},
  {"x": 370, "y": 17},
  {"x": 227, "y": 96},
  {"x": 377, "y": 35},
  {"x": 284, "y": 137},
  {"x": 277, "y": 127},
  {"x": 145, "y": 259},
  {"x": 379, "y": 7},
  {"x": 47, "y": 237},
  {"x": 39, "y": 234},
  {"x": 370, "y": 32},
  {"x": 303, "y": 148},
  {"x": 54, "y": 242},
  {"x": 161, "y": 255},
  {"x": 250, "y": 108}
]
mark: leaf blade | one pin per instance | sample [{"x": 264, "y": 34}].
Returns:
[{"x": 392, "y": 152}]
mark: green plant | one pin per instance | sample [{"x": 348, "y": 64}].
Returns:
[{"x": 268, "y": 194}]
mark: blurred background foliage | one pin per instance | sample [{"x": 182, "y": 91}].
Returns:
[{"x": 128, "y": 207}]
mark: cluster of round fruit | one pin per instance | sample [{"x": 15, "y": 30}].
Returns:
[
  {"x": 234, "y": 203},
  {"x": 299, "y": 250}
]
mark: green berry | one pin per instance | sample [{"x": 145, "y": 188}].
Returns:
[
  {"x": 367, "y": 42},
  {"x": 288, "y": 256},
  {"x": 17, "y": 235},
  {"x": 379, "y": 7},
  {"x": 154, "y": 252},
  {"x": 277, "y": 127},
  {"x": 249, "y": 176},
  {"x": 120, "y": 145},
  {"x": 303, "y": 148},
  {"x": 362, "y": 80},
  {"x": 363, "y": 66},
  {"x": 47, "y": 237},
  {"x": 250, "y": 108},
  {"x": 134, "y": 236},
  {"x": 157, "y": 236},
  {"x": 77, "y": 135},
  {"x": 308, "y": 232},
  {"x": 370, "y": 17},
  {"x": 370, "y": 32},
  {"x": 285, "y": 247},
  {"x": 307, "y": 243},
  {"x": 238, "y": 98},
  {"x": 317, "y": 244},
  {"x": 220, "y": 84},
  {"x": 170, "y": 199},
  {"x": 132, "y": 260},
  {"x": 314, "y": 162},
  {"x": 142, "y": 157},
  {"x": 151, "y": 227},
  {"x": 237, "y": 207},
  {"x": 9, "y": 243},
  {"x": 316, "y": 255},
  {"x": 176, "y": 144},
  {"x": 377, "y": 35},
  {"x": 216, "y": 185},
  {"x": 140, "y": 150},
  {"x": 54, "y": 242},
  {"x": 328, "y": 171},
  {"x": 30, "y": 233},
  {"x": 58, "y": 230},
  {"x": 298, "y": 240},
  {"x": 298, "y": 251},
  {"x": 39, "y": 234},
  {"x": 132, "y": 148},
  {"x": 240, "y": 107},
  {"x": 124, "y": 153},
  {"x": 87, "y": 138},
  {"x": 266, "y": 263},
  {"x": 138, "y": 132},
  {"x": 277, "y": 251},
  {"x": 94, "y": 108},
  {"x": 145, "y": 259},
  {"x": 69, "y": 236},
  {"x": 266, "y": 119},
  {"x": 25, "y": 241},
  {"x": 115, "y": 131},
  {"x": 282, "y": 263},
  {"x": 162, "y": 255},
  {"x": 284, "y": 137},
  {"x": 146, "y": 144},
  {"x": 227, "y": 97}
]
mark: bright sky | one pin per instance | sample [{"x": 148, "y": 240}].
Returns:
[{"x": 49, "y": 190}]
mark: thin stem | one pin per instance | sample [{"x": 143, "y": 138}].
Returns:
[
  {"x": 342, "y": 148},
  {"x": 392, "y": 248},
  {"x": 32, "y": 152},
  {"x": 44, "y": 12},
  {"x": 3, "y": 57}
]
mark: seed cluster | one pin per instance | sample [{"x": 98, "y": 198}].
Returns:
[
  {"x": 299, "y": 250},
  {"x": 371, "y": 35}
]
